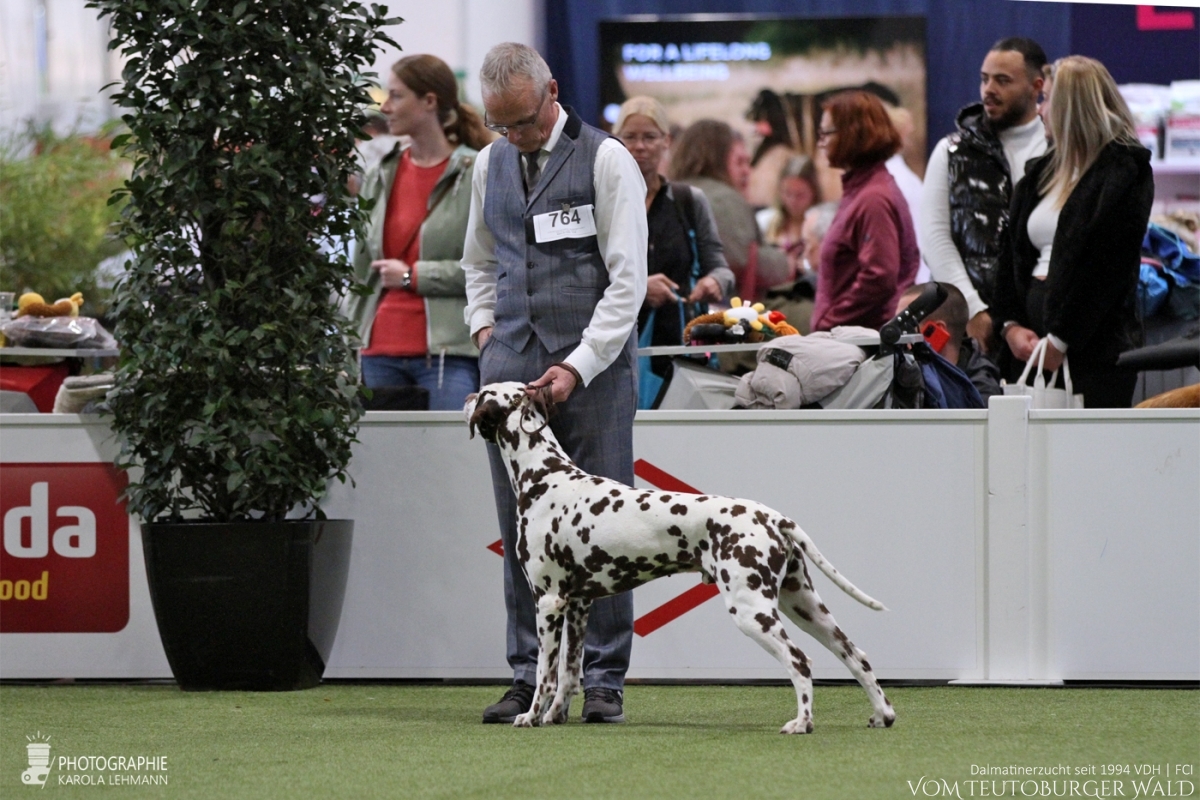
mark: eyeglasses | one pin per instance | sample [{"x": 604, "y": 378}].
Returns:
[
  {"x": 825, "y": 133},
  {"x": 529, "y": 121}
]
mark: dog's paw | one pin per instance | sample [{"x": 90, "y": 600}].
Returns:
[
  {"x": 882, "y": 720},
  {"x": 558, "y": 714},
  {"x": 798, "y": 726},
  {"x": 526, "y": 720}
]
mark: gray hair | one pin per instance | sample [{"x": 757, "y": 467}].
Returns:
[
  {"x": 508, "y": 64},
  {"x": 822, "y": 214}
]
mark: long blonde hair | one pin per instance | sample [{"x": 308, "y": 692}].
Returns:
[{"x": 1086, "y": 114}]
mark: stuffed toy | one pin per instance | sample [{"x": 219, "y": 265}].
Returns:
[
  {"x": 738, "y": 324},
  {"x": 32, "y": 304}
]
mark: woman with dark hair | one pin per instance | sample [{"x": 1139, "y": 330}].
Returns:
[
  {"x": 869, "y": 256},
  {"x": 1068, "y": 266},
  {"x": 780, "y": 141},
  {"x": 711, "y": 156},
  {"x": 411, "y": 324}
]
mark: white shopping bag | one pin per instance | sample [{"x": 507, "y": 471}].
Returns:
[{"x": 1045, "y": 396}]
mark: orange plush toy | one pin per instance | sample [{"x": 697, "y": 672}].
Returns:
[{"x": 741, "y": 323}]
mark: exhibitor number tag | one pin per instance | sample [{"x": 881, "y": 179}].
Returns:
[{"x": 567, "y": 223}]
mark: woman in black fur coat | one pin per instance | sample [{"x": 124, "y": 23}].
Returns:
[{"x": 1069, "y": 269}]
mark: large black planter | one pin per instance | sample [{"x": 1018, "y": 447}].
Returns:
[{"x": 248, "y": 605}]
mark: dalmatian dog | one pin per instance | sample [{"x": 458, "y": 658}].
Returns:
[{"x": 582, "y": 537}]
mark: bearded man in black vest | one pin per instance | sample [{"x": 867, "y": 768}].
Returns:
[{"x": 972, "y": 172}]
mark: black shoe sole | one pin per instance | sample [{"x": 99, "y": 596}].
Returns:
[{"x": 598, "y": 717}]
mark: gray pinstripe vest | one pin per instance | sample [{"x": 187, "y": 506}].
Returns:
[{"x": 545, "y": 290}]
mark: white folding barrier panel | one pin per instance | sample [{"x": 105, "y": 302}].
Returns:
[{"x": 1009, "y": 545}]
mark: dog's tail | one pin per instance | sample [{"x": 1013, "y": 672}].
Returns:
[{"x": 809, "y": 549}]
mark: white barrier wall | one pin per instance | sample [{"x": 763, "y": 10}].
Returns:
[{"x": 1009, "y": 545}]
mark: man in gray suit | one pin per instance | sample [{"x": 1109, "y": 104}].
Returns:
[{"x": 555, "y": 262}]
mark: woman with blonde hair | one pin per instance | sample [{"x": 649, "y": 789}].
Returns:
[
  {"x": 1069, "y": 268},
  {"x": 411, "y": 323},
  {"x": 782, "y": 224}
]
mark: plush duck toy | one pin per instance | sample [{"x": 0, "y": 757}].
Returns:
[{"x": 32, "y": 304}]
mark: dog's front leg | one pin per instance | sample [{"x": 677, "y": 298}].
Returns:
[
  {"x": 570, "y": 661},
  {"x": 550, "y": 613}
]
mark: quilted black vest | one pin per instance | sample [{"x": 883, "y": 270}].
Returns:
[{"x": 980, "y": 191}]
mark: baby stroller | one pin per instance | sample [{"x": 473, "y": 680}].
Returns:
[
  {"x": 894, "y": 368},
  {"x": 904, "y": 371}
]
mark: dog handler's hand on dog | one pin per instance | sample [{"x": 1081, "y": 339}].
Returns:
[{"x": 561, "y": 380}]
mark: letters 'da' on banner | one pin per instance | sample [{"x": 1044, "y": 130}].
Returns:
[{"x": 64, "y": 566}]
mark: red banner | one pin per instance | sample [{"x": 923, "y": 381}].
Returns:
[{"x": 64, "y": 565}]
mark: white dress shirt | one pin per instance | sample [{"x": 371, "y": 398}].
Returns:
[
  {"x": 1021, "y": 143},
  {"x": 621, "y": 233}
]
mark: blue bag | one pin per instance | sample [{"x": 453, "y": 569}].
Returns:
[{"x": 1152, "y": 291}]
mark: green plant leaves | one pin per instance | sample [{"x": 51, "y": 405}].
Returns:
[{"x": 237, "y": 387}]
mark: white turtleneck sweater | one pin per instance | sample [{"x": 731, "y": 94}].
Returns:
[{"x": 1021, "y": 143}]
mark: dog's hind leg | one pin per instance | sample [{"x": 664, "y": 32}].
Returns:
[
  {"x": 570, "y": 661},
  {"x": 800, "y": 601},
  {"x": 758, "y": 618},
  {"x": 550, "y": 613}
]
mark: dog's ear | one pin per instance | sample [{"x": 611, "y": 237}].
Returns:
[{"x": 488, "y": 416}]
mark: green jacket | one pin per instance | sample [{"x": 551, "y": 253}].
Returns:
[{"x": 439, "y": 277}]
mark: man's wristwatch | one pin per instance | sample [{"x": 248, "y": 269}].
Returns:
[
  {"x": 1004, "y": 328},
  {"x": 406, "y": 281}
]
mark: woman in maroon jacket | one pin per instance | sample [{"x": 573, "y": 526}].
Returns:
[{"x": 869, "y": 256}]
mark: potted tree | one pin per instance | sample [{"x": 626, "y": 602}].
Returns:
[{"x": 236, "y": 399}]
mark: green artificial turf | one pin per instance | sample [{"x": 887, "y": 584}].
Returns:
[{"x": 370, "y": 740}]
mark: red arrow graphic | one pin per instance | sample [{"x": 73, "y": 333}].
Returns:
[{"x": 681, "y": 604}]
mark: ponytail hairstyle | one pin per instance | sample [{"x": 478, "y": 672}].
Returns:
[
  {"x": 1087, "y": 112},
  {"x": 426, "y": 74}
]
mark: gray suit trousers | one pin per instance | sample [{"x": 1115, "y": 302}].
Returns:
[{"x": 595, "y": 426}]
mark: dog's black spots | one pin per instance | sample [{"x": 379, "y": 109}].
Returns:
[
  {"x": 804, "y": 699},
  {"x": 575, "y": 520},
  {"x": 791, "y": 584},
  {"x": 747, "y": 556},
  {"x": 530, "y": 495},
  {"x": 724, "y": 575},
  {"x": 724, "y": 511},
  {"x": 674, "y": 530},
  {"x": 753, "y": 581},
  {"x": 554, "y": 524},
  {"x": 804, "y": 545},
  {"x": 599, "y": 506},
  {"x": 802, "y": 614},
  {"x": 596, "y": 560},
  {"x": 737, "y": 511},
  {"x": 662, "y": 558},
  {"x": 732, "y": 610},
  {"x": 786, "y": 524},
  {"x": 644, "y": 506},
  {"x": 796, "y": 652},
  {"x": 598, "y": 481},
  {"x": 703, "y": 544},
  {"x": 546, "y": 580},
  {"x": 680, "y": 509},
  {"x": 765, "y": 620},
  {"x": 866, "y": 665},
  {"x": 809, "y": 727},
  {"x": 824, "y": 610},
  {"x": 839, "y": 635},
  {"x": 617, "y": 505},
  {"x": 615, "y": 493},
  {"x": 643, "y": 497},
  {"x": 666, "y": 498},
  {"x": 585, "y": 534},
  {"x": 804, "y": 670},
  {"x": 775, "y": 560}
]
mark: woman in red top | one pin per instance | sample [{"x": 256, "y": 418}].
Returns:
[
  {"x": 412, "y": 322},
  {"x": 869, "y": 256}
]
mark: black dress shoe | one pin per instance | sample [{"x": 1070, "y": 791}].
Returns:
[
  {"x": 515, "y": 701},
  {"x": 603, "y": 705}
]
